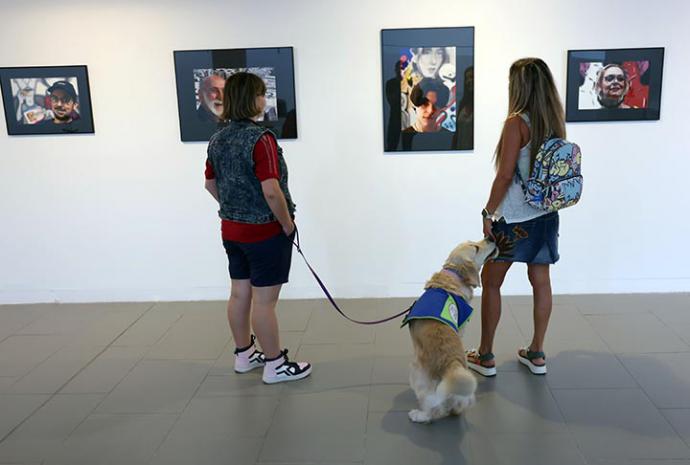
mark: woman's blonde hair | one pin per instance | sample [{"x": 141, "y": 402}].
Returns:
[{"x": 532, "y": 91}]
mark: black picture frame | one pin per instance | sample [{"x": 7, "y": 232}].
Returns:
[
  {"x": 196, "y": 68},
  {"x": 635, "y": 76},
  {"x": 28, "y": 94},
  {"x": 410, "y": 78}
]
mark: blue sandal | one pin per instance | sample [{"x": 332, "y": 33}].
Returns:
[
  {"x": 477, "y": 366},
  {"x": 530, "y": 355}
]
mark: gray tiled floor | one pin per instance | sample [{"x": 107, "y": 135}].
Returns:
[{"x": 152, "y": 384}]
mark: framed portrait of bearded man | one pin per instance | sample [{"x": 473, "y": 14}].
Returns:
[
  {"x": 428, "y": 89},
  {"x": 614, "y": 84},
  {"x": 201, "y": 76}
]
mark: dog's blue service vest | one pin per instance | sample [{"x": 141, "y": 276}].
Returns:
[{"x": 440, "y": 305}]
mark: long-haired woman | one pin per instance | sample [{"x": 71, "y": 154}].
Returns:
[{"x": 523, "y": 233}]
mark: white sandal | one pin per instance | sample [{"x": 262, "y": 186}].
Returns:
[
  {"x": 527, "y": 361},
  {"x": 478, "y": 367}
]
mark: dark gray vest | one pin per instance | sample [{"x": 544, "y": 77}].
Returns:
[{"x": 241, "y": 198}]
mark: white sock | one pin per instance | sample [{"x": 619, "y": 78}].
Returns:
[
  {"x": 243, "y": 356},
  {"x": 271, "y": 365}
]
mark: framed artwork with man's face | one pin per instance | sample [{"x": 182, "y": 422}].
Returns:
[
  {"x": 46, "y": 100},
  {"x": 614, "y": 84},
  {"x": 201, "y": 77},
  {"x": 428, "y": 89}
]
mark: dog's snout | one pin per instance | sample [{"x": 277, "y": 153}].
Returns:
[{"x": 489, "y": 239}]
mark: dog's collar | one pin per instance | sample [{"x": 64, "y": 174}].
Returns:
[{"x": 454, "y": 272}]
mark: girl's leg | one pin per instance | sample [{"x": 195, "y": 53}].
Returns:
[
  {"x": 541, "y": 289},
  {"x": 278, "y": 367},
  {"x": 239, "y": 310},
  {"x": 264, "y": 320},
  {"x": 493, "y": 275}
]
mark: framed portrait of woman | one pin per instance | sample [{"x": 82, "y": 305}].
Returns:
[
  {"x": 428, "y": 89},
  {"x": 621, "y": 84}
]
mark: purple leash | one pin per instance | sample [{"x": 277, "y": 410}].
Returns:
[{"x": 328, "y": 294}]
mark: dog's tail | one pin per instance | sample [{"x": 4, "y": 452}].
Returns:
[{"x": 457, "y": 380}]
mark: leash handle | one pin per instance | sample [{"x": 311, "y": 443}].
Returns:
[{"x": 295, "y": 242}]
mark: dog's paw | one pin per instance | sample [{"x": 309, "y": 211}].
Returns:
[{"x": 419, "y": 416}]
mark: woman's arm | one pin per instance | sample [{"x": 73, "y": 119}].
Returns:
[
  {"x": 510, "y": 150},
  {"x": 212, "y": 188},
  {"x": 278, "y": 205}
]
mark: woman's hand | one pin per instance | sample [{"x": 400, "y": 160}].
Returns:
[
  {"x": 289, "y": 229},
  {"x": 487, "y": 223}
]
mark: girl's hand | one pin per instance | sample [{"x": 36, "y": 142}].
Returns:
[
  {"x": 487, "y": 223},
  {"x": 289, "y": 229}
]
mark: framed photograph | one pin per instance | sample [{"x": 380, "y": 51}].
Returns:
[
  {"x": 201, "y": 75},
  {"x": 622, "y": 84},
  {"x": 428, "y": 89},
  {"x": 46, "y": 100}
]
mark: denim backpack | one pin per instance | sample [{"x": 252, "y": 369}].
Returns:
[{"x": 556, "y": 180}]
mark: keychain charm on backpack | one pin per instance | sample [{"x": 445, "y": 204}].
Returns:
[{"x": 556, "y": 179}]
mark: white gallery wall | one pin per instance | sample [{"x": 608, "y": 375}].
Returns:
[{"x": 122, "y": 214}]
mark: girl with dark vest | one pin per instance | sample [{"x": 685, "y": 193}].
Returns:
[{"x": 246, "y": 173}]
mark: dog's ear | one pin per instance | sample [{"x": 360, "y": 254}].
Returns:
[{"x": 470, "y": 272}]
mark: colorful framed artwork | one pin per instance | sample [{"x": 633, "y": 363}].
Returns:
[
  {"x": 614, "y": 84},
  {"x": 201, "y": 76},
  {"x": 428, "y": 89},
  {"x": 46, "y": 100}
]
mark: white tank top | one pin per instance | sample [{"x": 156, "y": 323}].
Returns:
[{"x": 514, "y": 208}]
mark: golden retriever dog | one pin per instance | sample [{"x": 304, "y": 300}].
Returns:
[{"x": 439, "y": 375}]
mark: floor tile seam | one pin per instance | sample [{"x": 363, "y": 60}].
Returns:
[
  {"x": 673, "y": 330},
  {"x": 686, "y": 441},
  {"x": 30, "y": 322},
  {"x": 664, "y": 352},
  {"x": 264, "y": 437},
  {"x": 626, "y": 388},
  {"x": 59, "y": 348},
  {"x": 587, "y": 316},
  {"x": 104, "y": 395},
  {"x": 580, "y": 446},
  {"x": 131, "y": 369},
  {"x": 311, "y": 317},
  {"x": 17, "y": 426},
  {"x": 134, "y": 414},
  {"x": 525, "y": 337},
  {"x": 106, "y": 348},
  {"x": 68, "y": 435},
  {"x": 651, "y": 401},
  {"x": 52, "y": 394},
  {"x": 366, "y": 419},
  {"x": 165, "y": 333},
  {"x": 153, "y": 454},
  {"x": 177, "y": 420},
  {"x": 608, "y": 346}
]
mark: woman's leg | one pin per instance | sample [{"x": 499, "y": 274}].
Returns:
[
  {"x": 541, "y": 290},
  {"x": 493, "y": 275},
  {"x": 264, "y": 320},
  {"x": 239, "y": 310}
]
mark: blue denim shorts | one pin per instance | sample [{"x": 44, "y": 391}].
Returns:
[
  {"x": 264, "y": 263},
  {"x": 533, "y": 241}
]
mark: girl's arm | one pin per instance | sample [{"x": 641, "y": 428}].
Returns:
[{"x": 510, "y": 150}]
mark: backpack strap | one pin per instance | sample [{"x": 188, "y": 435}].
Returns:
[{"x": 525, "y": 118}]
